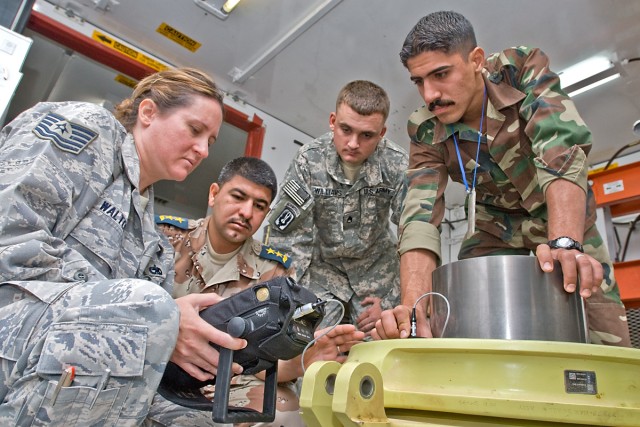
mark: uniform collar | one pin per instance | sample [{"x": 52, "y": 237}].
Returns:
[
  {"x": 243, "y": 264},
  {"x": 370, "y": 171},
  {"x": 130, "y": 160}
]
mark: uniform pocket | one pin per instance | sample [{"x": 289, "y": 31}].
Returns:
[
  {"x": 91, "y": 349},
  {"x": 72, "y": 407}
]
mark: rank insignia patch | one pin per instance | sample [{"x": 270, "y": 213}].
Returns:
[
  {"x": 272, "y": 253},
  {"x": 176, "y": 221},
  {"x": 65, "y": 135}
]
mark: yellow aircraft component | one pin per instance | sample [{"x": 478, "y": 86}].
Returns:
[{"x": 464, "y": 382}]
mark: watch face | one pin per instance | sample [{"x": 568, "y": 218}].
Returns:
[{"x": 564, "y": 242}]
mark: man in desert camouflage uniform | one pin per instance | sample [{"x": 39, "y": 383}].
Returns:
[
  {"x": 531, "y": 176},
  {"x": 218, "y": 254},
  {"x": 333, "y": 214}
]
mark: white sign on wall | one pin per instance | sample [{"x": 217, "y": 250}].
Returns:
[{"x": 13, "y": 51}]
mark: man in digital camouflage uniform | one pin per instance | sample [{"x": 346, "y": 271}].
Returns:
[
  {"x": 218, "y": 254},
  {"x": 532, "y": 191},
  {"x": 333, "y": 213}
]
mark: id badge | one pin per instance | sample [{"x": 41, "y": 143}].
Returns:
[{"x": 471, "y": 209}]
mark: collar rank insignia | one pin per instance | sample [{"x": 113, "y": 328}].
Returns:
[
  {"x": 272, "y": 253},
  {"x": 176, "y": 221},
  {"x": 65, "y": 135}
]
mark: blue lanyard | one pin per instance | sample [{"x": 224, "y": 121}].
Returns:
[{"x": 455, "y": 141}]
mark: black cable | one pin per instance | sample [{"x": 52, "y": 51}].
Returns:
[
  {"x": 449, "y": 223},
  {"x": 618, "y": 244},
  {"x": 615, "y": 155},
  {"x": 632, "y": 227}
]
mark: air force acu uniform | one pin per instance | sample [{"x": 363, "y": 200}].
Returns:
[
  {"x": 84, "y": 274},
  {"x": 338, "y": 231}
]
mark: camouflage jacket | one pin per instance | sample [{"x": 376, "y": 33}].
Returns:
[
  {"x": 71, "y": 210},
  {"x": 196, "y": 273},
  {"x": 534, "y": 135},
  {"x": 319, "y": 208}
]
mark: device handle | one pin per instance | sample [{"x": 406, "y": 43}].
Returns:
[{"x": 222, "y": 413}]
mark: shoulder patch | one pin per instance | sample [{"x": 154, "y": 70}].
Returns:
[
  {"x": 67, "y": 136},
  {"x": 269, "y": 252},
  {"x": 176, "y": 221}
]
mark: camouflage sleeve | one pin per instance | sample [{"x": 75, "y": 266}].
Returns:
[
  {"x": 38, "y": 186},
  {"x": 400, "y": 187},
  {"x": 560, "y": 138},
  {"x": 426, "y": 180},
  {"x": 290, "y": 224}
]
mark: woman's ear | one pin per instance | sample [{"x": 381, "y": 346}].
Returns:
[{"x": 147, "y": 109}]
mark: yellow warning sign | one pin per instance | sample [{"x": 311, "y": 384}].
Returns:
[
  {"x": 601, "y": 168},
  {"x": 182, "y": 39},
  {"x": 127, "y": 81},
  {"x": 132, "y": 53}
]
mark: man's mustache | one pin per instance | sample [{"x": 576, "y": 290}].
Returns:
[
  {"x": 439, "y": 103},
  {"x": 245, "y": 222}
]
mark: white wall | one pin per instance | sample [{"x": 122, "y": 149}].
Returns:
[{"x": 278, "y": 148}]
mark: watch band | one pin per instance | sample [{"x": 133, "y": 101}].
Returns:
[{"x": 565, "y": 242}]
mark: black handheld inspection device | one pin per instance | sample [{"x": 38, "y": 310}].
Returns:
[{"x": 278, "y": 319}]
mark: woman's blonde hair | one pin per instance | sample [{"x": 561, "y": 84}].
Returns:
[{"x": 168, "y": 89}]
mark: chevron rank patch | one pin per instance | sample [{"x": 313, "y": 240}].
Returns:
[
  {"x": 273, "y": 254},
  {"x": 67, "y": 136},
  {"x": 176, "y": 221}
]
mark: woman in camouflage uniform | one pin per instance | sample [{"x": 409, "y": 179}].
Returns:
[{"x": 85, "y": 277}]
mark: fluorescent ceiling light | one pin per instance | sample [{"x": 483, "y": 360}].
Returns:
[
  {"x": 218, "y": 8},
  {"x": 592, "y": 85},
  {"x": 229, "y": 5},
  {"x": 588, "y": 74}
]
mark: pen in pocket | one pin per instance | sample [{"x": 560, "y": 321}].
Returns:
[
  {"x": 104, "y": 379},
  {"x": 66, "y": 378}
]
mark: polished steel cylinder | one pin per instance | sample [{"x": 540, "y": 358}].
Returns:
[{"x": 505, "y": 297}]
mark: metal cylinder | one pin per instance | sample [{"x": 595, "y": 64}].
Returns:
[{"x": 505, "y": 297}]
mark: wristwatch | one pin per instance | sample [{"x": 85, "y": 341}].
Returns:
[{"x": 565, "y": 242}]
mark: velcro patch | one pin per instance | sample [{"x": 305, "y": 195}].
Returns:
[
  {"x": 298, "y": 194},
  {"x": 176, "y": 221},
  {"x": 286, "y": 217},
  {"x": 67, "y": 136},
  {"x": 272, "y": 253}
]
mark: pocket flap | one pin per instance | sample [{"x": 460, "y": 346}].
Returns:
[{"x": 91, "y": 348}]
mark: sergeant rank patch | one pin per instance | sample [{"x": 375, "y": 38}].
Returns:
[{"x": 67, "y": 136}]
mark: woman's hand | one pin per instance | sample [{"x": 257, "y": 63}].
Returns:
[{"x": 193, "y": 351}]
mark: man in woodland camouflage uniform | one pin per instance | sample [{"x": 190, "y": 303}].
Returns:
[
  {"x": 531, "y": 176},
  {"x": 218, "y": 254},
  {"x": 333, "y": 213}
]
